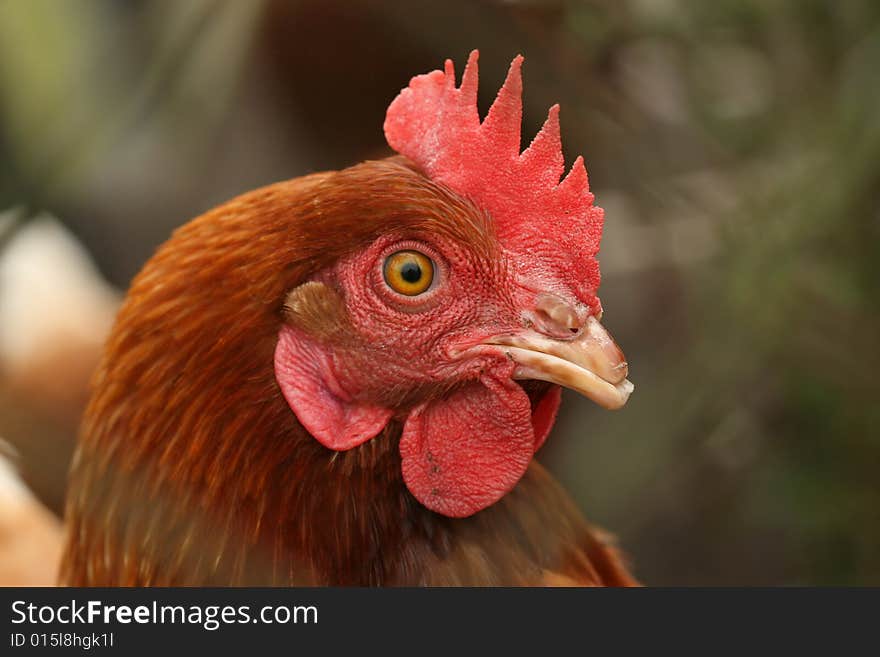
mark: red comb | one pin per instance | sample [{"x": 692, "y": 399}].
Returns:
[{"x": 436, "y": 125}]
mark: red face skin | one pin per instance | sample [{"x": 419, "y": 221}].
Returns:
[
  {"x": 470, "y": 430},
  {"x": 522, "y": 307}
]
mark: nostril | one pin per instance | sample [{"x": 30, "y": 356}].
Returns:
[
  {"x": 542, "y": 318},
  {"x": 555, "y": 317}
]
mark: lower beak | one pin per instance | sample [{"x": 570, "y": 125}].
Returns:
[{"x": 591, "y": 363}]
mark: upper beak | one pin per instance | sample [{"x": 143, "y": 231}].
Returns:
[{"x": 591, "y": 363}]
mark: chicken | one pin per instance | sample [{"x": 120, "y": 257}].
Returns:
[{"x": 342, "y": 379}]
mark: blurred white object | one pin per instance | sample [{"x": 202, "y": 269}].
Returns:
[
  {"x": 55, "y": 312},
  {"x": 30, "y": 535},
  {"x": 51, "y": 296}
]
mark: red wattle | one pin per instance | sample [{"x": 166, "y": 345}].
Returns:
[
  {"x": 463, "y": 453},
  {"x": 544, "y": 414}
]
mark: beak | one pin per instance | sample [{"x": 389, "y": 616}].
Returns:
[{"x": 591, "y": 363}]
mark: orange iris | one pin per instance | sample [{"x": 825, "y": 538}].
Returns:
[{"x": 408, "y": 272}]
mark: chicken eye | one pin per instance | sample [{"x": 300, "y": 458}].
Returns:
[{"x": 408, "y": 272}]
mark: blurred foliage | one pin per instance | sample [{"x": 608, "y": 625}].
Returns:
[
  {"x": 778, "y": 432},
  {"x": 735, "y": 145}
]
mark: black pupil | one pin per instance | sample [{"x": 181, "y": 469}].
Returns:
[{"x": 411, "y": 272}]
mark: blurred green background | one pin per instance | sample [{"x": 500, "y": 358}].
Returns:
[{"x": 734, "y": 144}]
